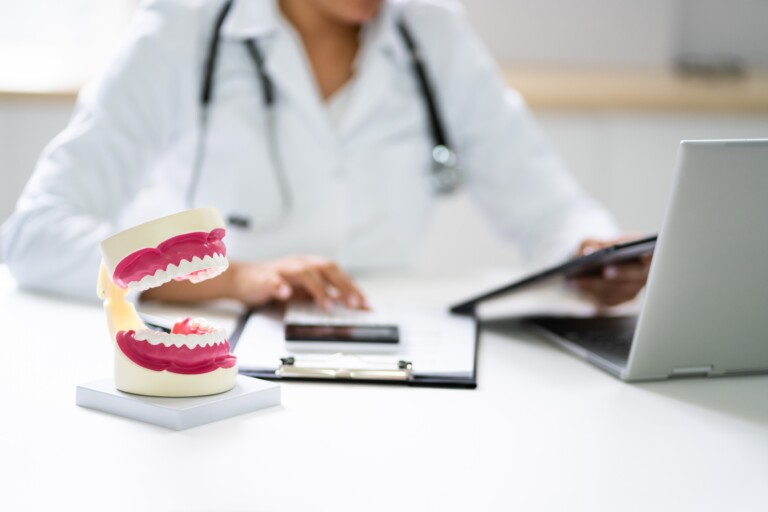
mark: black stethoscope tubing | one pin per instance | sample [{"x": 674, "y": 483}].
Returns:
[{"x": 445, "y": 173}]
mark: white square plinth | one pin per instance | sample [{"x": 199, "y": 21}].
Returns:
[{"x": 248, "y": 395}]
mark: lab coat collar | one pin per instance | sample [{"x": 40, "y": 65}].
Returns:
[
  {"x": 382, "y": 33},
  {"x": 258, "y": 18},
  {"x": 382, "y": 46},
  {"x": 251, "y": 19}
]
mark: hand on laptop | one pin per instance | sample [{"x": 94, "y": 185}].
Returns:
[{"x": 616, "y": 283}]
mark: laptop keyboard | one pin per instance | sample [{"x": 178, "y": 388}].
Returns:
[{"x": 607, "y": 337}]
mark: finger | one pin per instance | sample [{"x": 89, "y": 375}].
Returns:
[
  {"x": 610, "y": 298},
  {"x": 301, "y": 294},
  {"x": 349, "y": 293},
  {"x": 606, "y": 293},
  {"x": 598, "y": 284},
  {"x": 589, "y": 246},
  {"x": 634, "y": 271},
  {"x": 279, "y": 287},
  {"x": 312, "y": 280}
]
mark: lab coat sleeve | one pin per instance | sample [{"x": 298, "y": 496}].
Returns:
[
  {"x": 121, "y": 124},
  {"x": 512, "y": 171}
]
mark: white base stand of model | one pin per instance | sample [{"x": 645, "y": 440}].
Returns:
[{"x": 248, "y": 395}]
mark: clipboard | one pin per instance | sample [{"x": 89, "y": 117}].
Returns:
[
  {"x": 421, "y": 359},
  {"x": 583, "y": 265}
]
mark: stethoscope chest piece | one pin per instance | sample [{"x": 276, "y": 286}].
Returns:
[{"x": 445, "y": 173}]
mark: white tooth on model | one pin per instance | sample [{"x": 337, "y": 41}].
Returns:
[
  {"x": 189, "y": 340},
  {"x": 206, "y": 268}
]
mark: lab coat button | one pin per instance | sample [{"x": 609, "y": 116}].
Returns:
[{"x": 238, "y": 221}]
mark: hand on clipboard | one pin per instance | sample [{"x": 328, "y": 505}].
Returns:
[{"x": 618, "y": 272}]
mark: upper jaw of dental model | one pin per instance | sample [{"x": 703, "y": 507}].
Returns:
[
  {"x": 153, "y": 254},
  {"x": 193, "y": 256}
]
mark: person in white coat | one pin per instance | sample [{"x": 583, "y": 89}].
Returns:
[{"x": 315, "y": 139}]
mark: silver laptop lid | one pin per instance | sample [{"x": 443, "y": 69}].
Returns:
[{"x": 706, "y": 305}]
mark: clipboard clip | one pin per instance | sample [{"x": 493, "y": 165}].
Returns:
[{"x": 291, "y": 367}]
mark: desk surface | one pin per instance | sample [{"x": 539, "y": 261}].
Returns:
[{"x": 543, "y": 431}]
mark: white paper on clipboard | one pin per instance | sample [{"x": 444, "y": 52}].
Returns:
[{"x": 435, "y": 342}]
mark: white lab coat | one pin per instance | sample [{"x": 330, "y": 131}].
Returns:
[{"x": 359, "y": 187}]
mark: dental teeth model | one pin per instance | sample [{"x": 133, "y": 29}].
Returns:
[{"x": 193, "y": 359}]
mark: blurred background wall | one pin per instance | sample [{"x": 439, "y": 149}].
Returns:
[
  {"x": 621, "y": 33},
  {"x": 602, "y": 76}
]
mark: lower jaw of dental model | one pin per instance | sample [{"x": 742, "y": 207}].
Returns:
[{"x": 194, "y": 358}]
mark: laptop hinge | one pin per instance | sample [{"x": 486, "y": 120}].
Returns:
[{"x": 692, "y": 371}]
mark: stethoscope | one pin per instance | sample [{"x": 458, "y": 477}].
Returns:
[{"x": 445, "y": 174}]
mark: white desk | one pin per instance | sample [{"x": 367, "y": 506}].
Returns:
[{"x": 543, "y": 431}]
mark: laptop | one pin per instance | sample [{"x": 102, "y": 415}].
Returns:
[{"x": 705, "y": 309}]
